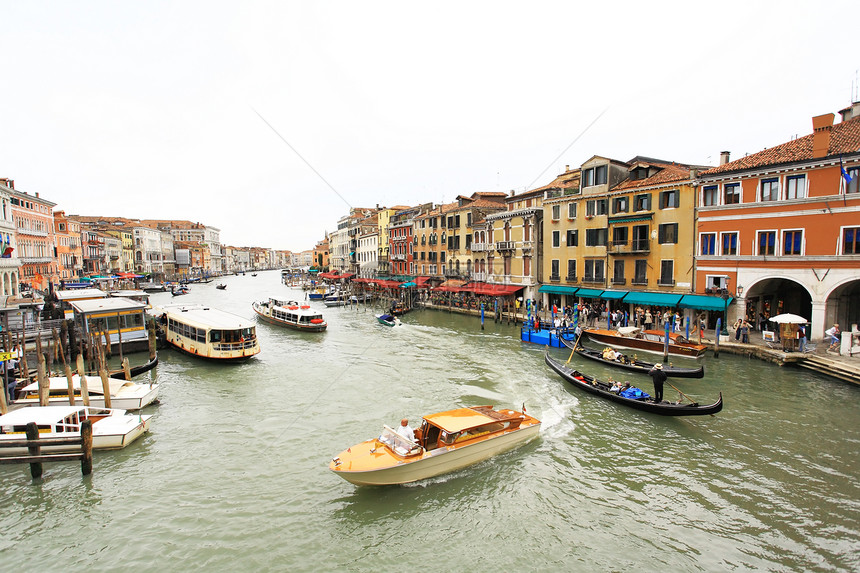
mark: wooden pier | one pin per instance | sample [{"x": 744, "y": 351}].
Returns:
[{"x": 36, "y": 458}]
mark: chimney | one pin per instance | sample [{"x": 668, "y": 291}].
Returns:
[
  {"x": 566, "y": 168},
  {"x": 37, "y": 194},
  {"x": 821, "y": 127},
  {"x": 724, "y": 157}
]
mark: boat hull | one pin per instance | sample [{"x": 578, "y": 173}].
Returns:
[
  {"x": 610, "y": 338},
  {"x": 435, "y": 462},
  {"x": 601, "y": 389}
]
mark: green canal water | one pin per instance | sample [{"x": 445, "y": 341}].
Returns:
[{"x": 233, "y": 475}]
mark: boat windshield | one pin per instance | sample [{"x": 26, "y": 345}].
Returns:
[{"x": 397, "y": 443}]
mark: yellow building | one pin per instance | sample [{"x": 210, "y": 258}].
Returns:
[
  {"x": 127, "y": 237},
  {"x": 461, "y": 220},
  {"x": 627, "y": 236}
]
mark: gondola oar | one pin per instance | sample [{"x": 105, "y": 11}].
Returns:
[
  {"x": 575, "y": 344},
  {"x": 682, "y": 394}
]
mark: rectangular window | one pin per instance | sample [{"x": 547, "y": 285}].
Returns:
[
  {"x": 709, "y": 243},
  {"x": 596, "y": 207},
  {"x": 555, "y": 275},
  {"x": 710, "y": 195},
  {"x": 851, "y": 241},
  {"x": 620, "y": 205},
  {"x": 602, "y": 206},
  {"x": 669, "y": 199},
  {"x": 572, "y": 238},
  {"x": 730, "y": 244},
  {"x": 594, "y": 270},
  {"x": 640, "y": 237},
  {"x": 792, "y": 242},
  {"x": 571, "y": 210},
  {"x": 600, "y": 175},
  {"x": 732, "y": 192},
  {"x": 571, "y": 269},
  {"x": 618, "y": 272},
  {"x": 854, "y": 185},
  {"x": 556, "y": 239},
  {"x": 642, "y": 202},
  {"x": 668, "y": 233},
  {"x": 619, "y": 236},
  {"x": 595, "y": 237},
  {"x": 766, "y": 242},
  {"x": 769, "y": 189},
  {"x": 588, "y": 177},
  {"x": 640, "y": 272},
  {"x": 795, "y": 187},
  {"x": 667, "y": 272},
  {"x": 556, "y": 212}
]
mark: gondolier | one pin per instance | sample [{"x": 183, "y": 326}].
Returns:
[{"x": 658, "y": 376}]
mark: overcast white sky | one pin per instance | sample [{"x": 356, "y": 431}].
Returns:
[{"x": 149, "y": 109}]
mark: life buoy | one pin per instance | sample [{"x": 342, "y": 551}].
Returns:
[
  {"x": 293, "y": 307},
  {"x": 305, "y": 306},
  {"x": 317, "y": 320}
]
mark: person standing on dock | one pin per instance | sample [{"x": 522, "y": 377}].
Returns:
[{"x": 658, "y": 376}]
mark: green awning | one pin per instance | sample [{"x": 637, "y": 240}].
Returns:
[
  {"x": 613, "y": 294},
  {"x": 655, "y": 298},
  {"x": 558, "y": 289},
  {"x": 701, "y": 302},
  {"x": 589, "y": 292},
  {"x": 631, "y": 219}
]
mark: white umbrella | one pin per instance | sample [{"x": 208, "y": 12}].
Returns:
[{"x": 789, "y": 318}]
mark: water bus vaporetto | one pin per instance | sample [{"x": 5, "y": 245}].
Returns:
[{"x": 207, "y": 332}]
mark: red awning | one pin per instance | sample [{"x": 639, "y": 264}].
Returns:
[
  {"x": 421, "y": 281},
  {"x": 386, "y": 284},
  {"x": 495, "y": 290},
  {"x": 345, "y": 275},
  {"x": 450, "y": 289}
]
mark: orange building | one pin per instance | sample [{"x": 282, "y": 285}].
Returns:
[
  {"x": 781, "y": 228},
  {"x": 34, "y": 229}
]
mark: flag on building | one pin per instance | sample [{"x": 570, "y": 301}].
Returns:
[{"x": 845, "y": 175}]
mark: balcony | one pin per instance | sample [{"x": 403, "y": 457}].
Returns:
[
  {"x": 571, "y": 278},
  {"x": 635, "y": 247},
  {"x": 665, "y": 282},
  {"x": 639, "y": 281},
  {"x": 554, "y": 278},
  {"x": 398, "y": 257},
  {"x": 503, "y": 246},
  {"x": 479, "y": 247},
  {"x": 619, "y": 281},
  {"x": 528, "y": 246}
]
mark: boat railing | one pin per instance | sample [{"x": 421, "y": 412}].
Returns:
[
  {"x": 397, "y": 443},
  {"x": 233, "y": 346}
]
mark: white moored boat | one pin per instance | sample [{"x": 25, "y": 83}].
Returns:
[
  {"x": 445, "y": 442},
  {"x": 290, "y": 314},
  {"x": 112, "y": 428},
  {"x": 208, "y": 332},
  {"x": 124, "y": 394}
]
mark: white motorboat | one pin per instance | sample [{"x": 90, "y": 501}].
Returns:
[
  {"x": 124, "y": 394},
  {"x": 112, "y": 428}
]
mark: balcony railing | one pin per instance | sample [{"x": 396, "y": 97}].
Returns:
[
  {"x": 479, "y": 247},
  {"x": 588, "y": 279},
  {"x": 665, "y": 282},
  {"x": 639, "y": 281},
  {"x": 505, "y": 246},
  {"x": 619, "y": 281},
  {"x": 570, "y": 278},
  {"x": 555, "y": 278},
  {"x": 398, "y": 257}
]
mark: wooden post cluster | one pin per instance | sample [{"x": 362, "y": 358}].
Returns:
[{"x": 34, "y": 444}]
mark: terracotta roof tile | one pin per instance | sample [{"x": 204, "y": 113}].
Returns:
[
  {"x": 668, "y": 173},
  {"x": 844, "y": 139}
]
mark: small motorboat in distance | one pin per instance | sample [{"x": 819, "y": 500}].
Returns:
[
  {"x": 179, "y": 291},
  {"x": 388, "y": 319},
  {"x": 221, "y": 286},
  {"x": 646, "y": 340},
  {"x": 603, "y": 389},
  {"x": 633, "y": 363},
  {"x": 445, "y": 442}
]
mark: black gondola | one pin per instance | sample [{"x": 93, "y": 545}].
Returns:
[
  {"x": 633, "y": 364},
  {"x": 135, "y": 370},
  {"x": 595, "y": 386},
  {"x": 221, "y": 286}
]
